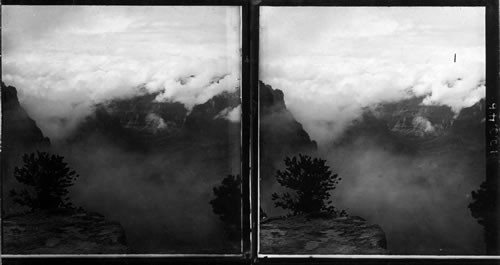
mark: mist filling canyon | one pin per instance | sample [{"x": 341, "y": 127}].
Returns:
[
  {"x": 412, "y": 181},
  {"x": 418, "y": 189},
  {"x": 156, "y": 180}
]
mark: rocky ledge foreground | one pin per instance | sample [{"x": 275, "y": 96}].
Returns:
[
  {"x": 323, "y": 234},
  {"x": 62, "y": 232}
]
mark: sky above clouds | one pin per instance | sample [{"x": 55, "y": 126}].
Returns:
[
  {"x": 64, "y": 59},
  {"x": 333, "y": 61}
]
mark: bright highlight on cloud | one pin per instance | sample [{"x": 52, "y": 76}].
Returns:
[
  {"x": 64, "y": 59},
  {"x": 230, "y": 114},
  {"x": 332, "y": 62}
]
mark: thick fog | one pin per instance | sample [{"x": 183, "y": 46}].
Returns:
[
  {"x": 419, "y": 200},
  {"x": 160, "y": 198}
]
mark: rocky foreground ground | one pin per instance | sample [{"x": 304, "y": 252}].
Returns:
[
  {"x": 323, "y": 234},
  {"x": 62, "y": 232}
]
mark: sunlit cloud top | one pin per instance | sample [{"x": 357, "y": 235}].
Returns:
[
  {"x": 65, "y": 58},
  {"x": 337, "y": 60}
]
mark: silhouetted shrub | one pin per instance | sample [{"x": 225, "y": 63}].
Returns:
[
  {"x": 47, "y": 177},
  {"x": 484, "y": 208},
  {"x": 227, "y": 205},
  {"x": 311, "y": 181}
]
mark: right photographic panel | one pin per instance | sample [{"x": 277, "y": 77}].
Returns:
[{"x": 372, "y": 130}]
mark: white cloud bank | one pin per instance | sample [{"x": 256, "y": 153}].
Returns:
[
  {"x": 331, "y": 62},
  {"x": 230, "y": 114},
  {"x": 63, "y": 59}
]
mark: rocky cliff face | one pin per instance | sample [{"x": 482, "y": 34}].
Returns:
[
  {"x": 141, "y": 123},
  {"x": 410, "y": 118},
  {"x": 281, "y": 135},
  {"x": 409, "y": 127},
  {"x": 44, "y": 232},
  {"x": 308, "y": 234},
  {"x": 211, "y": 116},
  {"x": 62, "y": 232},
  {"x": 20, "y": 134}
]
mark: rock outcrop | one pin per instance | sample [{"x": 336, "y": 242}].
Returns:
[
  {"x": 141, "y": 123},
  {"x": 309, "y": 235},
  {"x": 281, "y": 136},
  {"x": 21, "y": 131},
  {"x": 410, "y": 127},
  {"x": 20, "y": 134},
  {"x": 62, "y": 232}
]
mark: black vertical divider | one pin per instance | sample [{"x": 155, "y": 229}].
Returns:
[
  {"x": 254, "y": 93},
  {"x": 245, "y": 131},
  {"x": 2, "y": 158},
  {"x": 492, "y": 126}
]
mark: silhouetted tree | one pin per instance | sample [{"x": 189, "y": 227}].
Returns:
[
  {"x": 47, "y": 177},
  {"x": 311, "y": 180},
  {"x": 484, "y": 208},
  {"x": 227, "y": 205}
]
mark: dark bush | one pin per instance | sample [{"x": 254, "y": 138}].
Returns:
[
  {"x": 227, "y": 205},
  {"x": 484, "y": 207},
  {"x": 311, "y": 181},
  {"x": 47, "y": 178}
]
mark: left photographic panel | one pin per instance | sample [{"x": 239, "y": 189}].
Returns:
[{"x": 121, "y": 130}]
